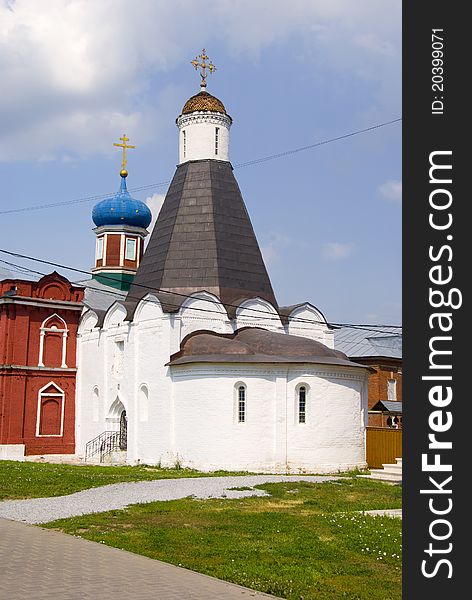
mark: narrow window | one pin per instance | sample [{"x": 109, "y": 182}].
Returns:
[
  {"x": 184, "y": 138},
  {"x": 241, "y": 404},
  {"x": 95, "y": 404},
  {"x": 392, "y": 390},
  {"x": 130, "y": 253},
  {"x": 217, "y": 130},
  {"x": 118, "y": 358},
  {"x": 143, "y": 403},
  {"x": 99, "y": 248},
  {"x": 302, "y": 405}
]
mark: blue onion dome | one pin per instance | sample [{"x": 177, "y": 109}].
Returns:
[{"x": 121, "y": 209}]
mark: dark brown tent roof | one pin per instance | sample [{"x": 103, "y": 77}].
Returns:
[
  {"x": 253, "y": 344},
  {"x": 203, "y": 240}
]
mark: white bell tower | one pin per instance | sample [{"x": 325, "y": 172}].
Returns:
[{"x": 204, "y": 123}]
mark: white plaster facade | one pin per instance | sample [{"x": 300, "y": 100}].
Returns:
[
  {"x": 203, "y": 135},
  {"x": 187, "y": 414}
]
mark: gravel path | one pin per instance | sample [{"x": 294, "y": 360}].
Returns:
[{"x": 121, "y": 495}]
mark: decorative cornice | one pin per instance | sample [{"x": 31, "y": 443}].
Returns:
[
  {"x": 203, "y": 117},
  {"x": 205, "y": 371},
  {"x": 65, "y": 304},
  {"x": 41, "y": 369},
  {"x": 120, "y": 229}
]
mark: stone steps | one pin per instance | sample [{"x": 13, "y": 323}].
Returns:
[{"x": 391, "y": 473}]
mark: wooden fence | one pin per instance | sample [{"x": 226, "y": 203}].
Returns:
[{"x": 383, "y": 446}]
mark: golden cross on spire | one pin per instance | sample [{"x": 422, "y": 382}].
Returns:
[
  {"x": 200, "y": 61},
  {"x": 125, "y": 146}
]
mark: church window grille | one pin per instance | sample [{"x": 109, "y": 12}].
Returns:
[
  {"x": 130, "y": 253},
  {"x": 184, "y": 139},
  {"x": 241, "y": 404},
  {"x": 302, "y": 404},
  {"x": 99, "y": 248},
  {"x": 217, "y": 131}
]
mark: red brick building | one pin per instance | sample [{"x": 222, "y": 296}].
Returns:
[
  {"x": 382, "y": 351},
  {"x": 38, "y": 328}
]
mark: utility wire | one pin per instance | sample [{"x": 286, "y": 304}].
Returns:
[
  {"x": 121, "y": 297},
  {"x": 237, "y": 166},
  {"x": 310, "y": 146},
  {"x": 366, "y": 327}
]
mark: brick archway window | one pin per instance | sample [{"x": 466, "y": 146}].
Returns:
[
  {"x": 53, "y": 342},
  {"x": 50, "y": 418}
]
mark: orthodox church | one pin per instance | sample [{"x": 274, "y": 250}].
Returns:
[{"x": 183, "y": 355}]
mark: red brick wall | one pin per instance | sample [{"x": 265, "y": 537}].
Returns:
[
  {"x": 21, "y": 379},
  {"x": 385, "y": 369},
  {"x": 113, "y": 250}
]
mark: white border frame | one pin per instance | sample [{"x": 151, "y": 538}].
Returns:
[{"x": 60, "y": 394}]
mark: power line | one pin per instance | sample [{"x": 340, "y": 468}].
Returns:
[
  {"x": 310, "y": 146},
  {"x": 80, "y": 200},
  {"x": 237, "y": 166},
  {"x": 366, "y": 327}
]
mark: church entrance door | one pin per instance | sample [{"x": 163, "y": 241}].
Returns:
[{"x": 123, "y": 431}]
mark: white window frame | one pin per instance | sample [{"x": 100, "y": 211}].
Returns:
[
  {"x": 100, "y": 246},
  {"x": 392, "y": 390},
  {"x": 59, "y": 394},
  {"x": 237, "y": 405},
  {"x": 42, "y": 335},
  {"x": 296, "y": 405},
  {"x": 134, "y": 245},
  {"x": 299, "y": 411}
]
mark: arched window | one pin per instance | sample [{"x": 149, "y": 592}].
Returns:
[
  {"x": 95, "y": 404},
  {"x": 217, "y": 132},
  {"x": 50, "y": 418},
  {"x": 302, "y": 404},
  {"x": 241, "y": 404},
  {"x": 184, "y": 140},
  {"x": 53, "y": 342},
  {"x": 143, "y": 403}
]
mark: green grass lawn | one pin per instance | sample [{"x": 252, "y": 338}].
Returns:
[
  {"x": 40, "y": 480},
  {"x": 305, "y": 541}
]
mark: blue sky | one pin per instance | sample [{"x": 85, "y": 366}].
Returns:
[{"x": 78, "y": 73}]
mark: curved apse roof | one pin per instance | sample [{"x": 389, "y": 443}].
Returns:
[{"x": 253, "y": 344}]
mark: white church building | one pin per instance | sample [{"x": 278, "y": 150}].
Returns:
[{"x": 196, "y": 364}]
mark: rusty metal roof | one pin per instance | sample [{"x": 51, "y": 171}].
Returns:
[{"x": 256, "y": 345}]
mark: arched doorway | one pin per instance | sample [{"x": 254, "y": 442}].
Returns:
[
  {"x": 117, "y": 421},
  {"x": 123, "y": 431}
]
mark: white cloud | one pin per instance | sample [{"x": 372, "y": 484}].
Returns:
[
  {"x": 154, "y": 203},
  {"x": 271, "y": 250},
  {"x": 74, "y": 72},
  {"x": 391, "y": 190},
  {"x": 337, "y": 250}
]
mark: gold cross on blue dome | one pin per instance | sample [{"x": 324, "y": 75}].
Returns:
[{"x": 125, "y": 146}]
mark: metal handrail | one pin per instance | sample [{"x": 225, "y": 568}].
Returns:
[{"x": 103, "y": 444}]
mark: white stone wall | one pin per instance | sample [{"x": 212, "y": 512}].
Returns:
[
  {"x": 208, "y": 436},
  {"x": 306, "y": 321},
  {"x": 197, "y": 136},
  {"x": 189, "y": 414}
]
